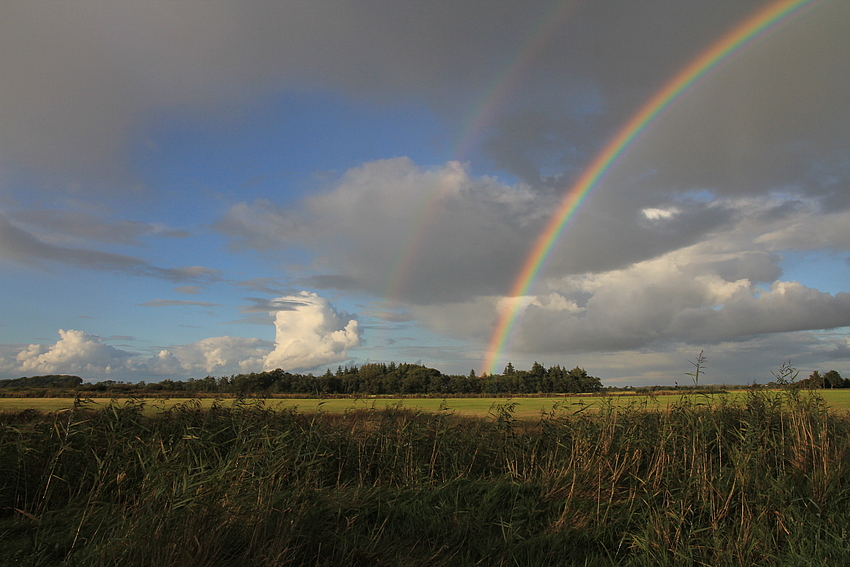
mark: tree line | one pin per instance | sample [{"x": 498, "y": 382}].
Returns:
[
  {"x": 65, "y": 381},
  {"x": 831, "y": 379},
  {"x": 371, "y": 379},
  {"x": 368, "y": 379}
]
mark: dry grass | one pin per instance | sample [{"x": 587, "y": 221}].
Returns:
[{"x": 760, "y": 479}]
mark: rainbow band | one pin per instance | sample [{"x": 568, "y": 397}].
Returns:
[
  {"x": 488, "y": 106},
  {"x": 737, "y": 38}
]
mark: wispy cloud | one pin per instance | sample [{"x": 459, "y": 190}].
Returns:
[
  {"x": 87, "y": 226},
  {"x": 176, "y": 303},
  {"x": 19, "y": 245},
  {"x": 188, "y": 289}
]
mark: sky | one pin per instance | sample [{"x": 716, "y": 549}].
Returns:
[{"x": 211, "y": 188}]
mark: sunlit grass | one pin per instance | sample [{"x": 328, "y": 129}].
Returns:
[
  {"x": 526, "y": 407},
  {"x": 756, "y": 478}
]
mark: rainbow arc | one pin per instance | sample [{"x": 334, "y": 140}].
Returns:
[{"x": 743, "y": 34}]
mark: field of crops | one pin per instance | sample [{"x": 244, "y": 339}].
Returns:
[{"x": 754, "y": 478}]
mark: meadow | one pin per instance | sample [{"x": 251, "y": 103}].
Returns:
[
  {"x": 752, "y": 478},
  {"x": 525, "y": 407}
]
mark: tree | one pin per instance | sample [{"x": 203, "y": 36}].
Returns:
[
  {"x": 832, "y": 379},
  {"x": 586, "y": 382}
]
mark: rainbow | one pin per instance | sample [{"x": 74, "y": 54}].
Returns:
[
  {"x": 493, "y": 99},
  {"x": 740, "y": 36}
]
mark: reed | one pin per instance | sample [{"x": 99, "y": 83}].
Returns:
[{"x": 759, "y": 480}]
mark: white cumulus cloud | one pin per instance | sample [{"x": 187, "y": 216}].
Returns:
[
  {"x": 89, "y": 356},
  {"x": 213, "y": 354},
  {"x": 311, "y": 334},
  {"x": 74, "y": 353}
]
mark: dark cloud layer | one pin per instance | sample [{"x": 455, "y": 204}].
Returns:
[
  {"x": 680, "y": 243},
  {"x": 79, "y": 78}
]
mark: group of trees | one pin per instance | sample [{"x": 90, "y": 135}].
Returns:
[
  {"x": 392, "y": 378},
  {"x": 368, "y": 379},
  {"x": 831, "y": 379},
  {"x": 64, "y": 381}
]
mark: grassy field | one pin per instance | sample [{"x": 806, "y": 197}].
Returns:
[
  {"x": 524, "y": 407},
  {"x": 755, "y": 479}
]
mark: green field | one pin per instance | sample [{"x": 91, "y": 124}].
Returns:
[
  {"x": 523, "y": 407},
  {"x": 739, "y": 479},
  {"x": 747, "y": 479}
]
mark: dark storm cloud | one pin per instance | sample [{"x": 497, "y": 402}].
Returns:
[
  {"x": 768, "y": 118},
  {"x": 79, "y": 76}
]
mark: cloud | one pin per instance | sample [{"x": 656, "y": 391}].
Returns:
[
  {"x": 431, "y": 235},
  {"x": 79, "y": 78},
  {"x": 272, "y": 286},
  {"x": 328, "y": 281},
  {"x": 270, "y": 306},
  {"x": 311, "y": 335},
  {"x": 759, "y": 119},
  {"x": 764, "y": 118},
  {"x": 212, "y": 355},
  {"x": 841, "y": 350},
  {"x": 685, "y": 234},
  {"x": 731, "y": 362},
  {"x": 20, "y": 246},
  {"x": 390, "y": 316},
  {"x": 739, "y": 271},
  {"x": 76, "y": 225},
  {"x": 672, "y": 298},
  {"x": 459, "y": 234},
  {"x": 176, "y": 302},
  {"x": 87, "y": 355},
  {"x": 727, "y": 286},
  {"x": 186, "y": 273},
  {"x": 798, "y": 232},
  {"x": 786, "y": 306},
  {"x": 188, "y": 289},
  {"x": 74, "y": 353},
  {"x": 628, "y": 273},
  {"x": 261, "y": 226}
]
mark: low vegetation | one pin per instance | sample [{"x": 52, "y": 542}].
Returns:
[{"x": 759, "y": 479}]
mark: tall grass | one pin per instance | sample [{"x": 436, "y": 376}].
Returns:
[{"x": 759, "y": 481}]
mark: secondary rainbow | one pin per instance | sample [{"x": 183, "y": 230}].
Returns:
[
  {"x": 493, "y": 99},
  {"x": 741, "y": 35}
]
